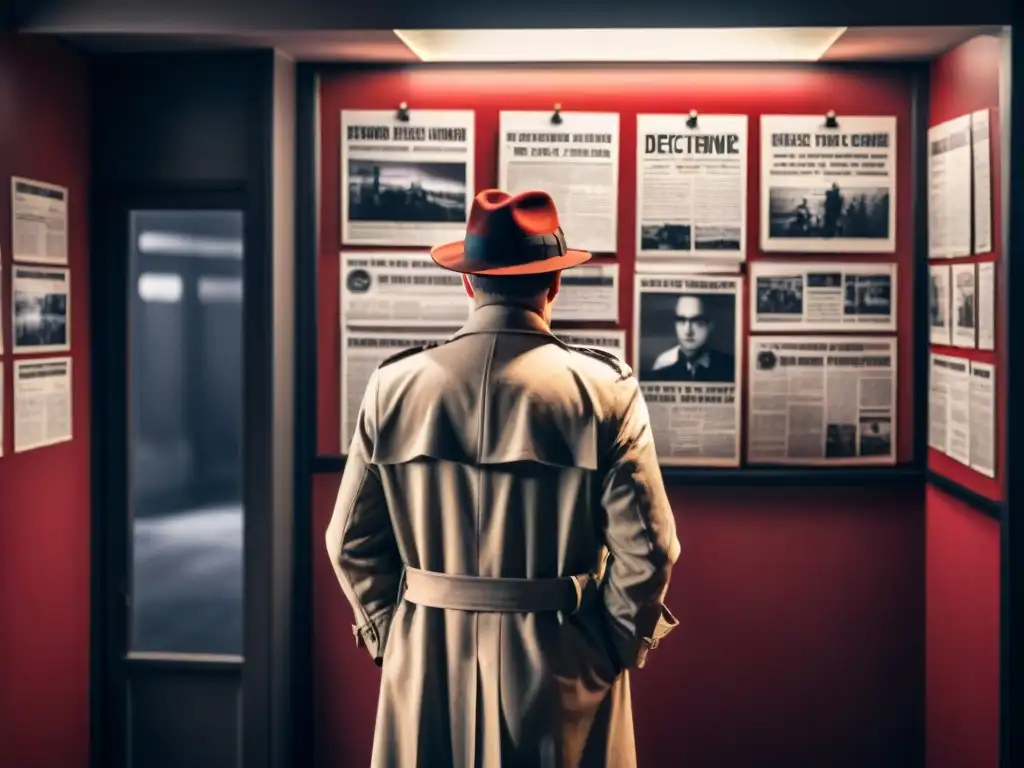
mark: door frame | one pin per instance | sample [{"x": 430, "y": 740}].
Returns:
[{"x": 111, "y": 539}]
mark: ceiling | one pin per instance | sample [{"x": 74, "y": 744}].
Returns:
[{"x": 384, "y": 46}]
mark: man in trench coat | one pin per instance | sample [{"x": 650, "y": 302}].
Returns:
[{"x": 502, "y": 531}]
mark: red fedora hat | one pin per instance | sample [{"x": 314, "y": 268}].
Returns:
[{"x": 510, "y": 235}]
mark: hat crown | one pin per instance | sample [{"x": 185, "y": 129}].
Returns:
[
  {"x": 513, "y": 229},
  {"x": 510, "y": 235}
]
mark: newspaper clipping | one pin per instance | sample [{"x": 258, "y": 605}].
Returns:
[
  {"x": 938, "y": 305},
  {"x": 949, "y": 419},
  {"x": 822, "y": 297},
  {"x": 399, "y": 290},
  {"x": 687, "y": 358},
  {"x": 42, "y": 402},
  {"x": 964, "y": 306},
  {"x": 611, "y": 341},
  {"x": 828, "y": 189},
  {"x": 39, "y": 222},
  {"x": 983, "y": 418},
  {"x": 691, "y": 187},
  {"x": 576, "y": 161},
  {"x": 986, "y": 294},
  {"x": 981, "y": 151},
  {"x": 41, "y": 305},
  {"x": 820, "y": 400},
  {"x": 362, "y": 351},
  {"x": 403, "y": 289},
  {"x": 589, "y": 293},
  {"x": 949, "y": 189},
  {"x": 405, "y": 182}
]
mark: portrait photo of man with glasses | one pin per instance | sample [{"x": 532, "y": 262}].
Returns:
[{"x": 688, "y": 337}]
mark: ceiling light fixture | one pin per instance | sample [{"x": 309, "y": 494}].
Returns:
[{"x": 770, "y": 44}]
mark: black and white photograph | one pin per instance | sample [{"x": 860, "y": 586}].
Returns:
[
  {"x": 938, "y": 305},
  {"x": 717, "y": 238},
  {"x": 780, "y": 295},
  {"x": 868, "y": 295},
  {"x": 665, "y": 237},
  {"x": 406, "y": 180},
  {"x": 823, "y": 296},
  {"x": 828, "y": 188},
  {"x": 687, "y": 356},
  {"x": 40, "y": 305},
  {"x": 841, "y": 441},
  {"x": 875, "y": 435},
  {"x": 688, "y": 337},
  {"x": 965, "y": 310},
  {"x": 834, "y": 212},
  {"x": 387, "y": 190}
]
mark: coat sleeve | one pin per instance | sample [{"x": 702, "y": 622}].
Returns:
[
  {"x": 360, "y": 540},
  {"x": 640, "y": 533}
]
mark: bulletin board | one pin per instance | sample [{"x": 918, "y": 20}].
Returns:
[{"x": 629, "y": 91}]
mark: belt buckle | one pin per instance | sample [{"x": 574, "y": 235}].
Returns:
[
  {"x": 579, "y": 594},
  {"x": 582, "y": 584}
]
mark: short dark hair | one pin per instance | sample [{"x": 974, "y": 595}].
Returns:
[{"x": 512, "y": 286}]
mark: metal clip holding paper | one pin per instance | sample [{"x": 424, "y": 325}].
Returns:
[
  {"x": 556, "y": 116},
  {"x": 691, "y": 120},
  {"x": 402, "y": 115},
  {"x": 830, "y": 119}
]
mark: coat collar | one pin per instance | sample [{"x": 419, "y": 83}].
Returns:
[{"x": 507, "y": 318}]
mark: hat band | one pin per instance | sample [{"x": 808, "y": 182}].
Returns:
[{"x": 511, "y": 251}]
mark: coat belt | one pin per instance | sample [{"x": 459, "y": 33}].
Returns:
[{"x": 494, "y": 595}]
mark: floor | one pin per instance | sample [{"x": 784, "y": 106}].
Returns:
[{"x": 187, "y": 583}]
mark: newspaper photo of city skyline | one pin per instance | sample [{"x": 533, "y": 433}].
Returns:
[{"x": 388, "y": 190}]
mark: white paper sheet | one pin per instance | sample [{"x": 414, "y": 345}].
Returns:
[
  {"x": 828, "y": 190},
  {"x": 406, "y": 183}
]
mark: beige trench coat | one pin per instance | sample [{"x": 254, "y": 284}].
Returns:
[{"x": 503, "y": 453}]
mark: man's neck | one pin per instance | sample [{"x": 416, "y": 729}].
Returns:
[{"x": 518, "y": 304}]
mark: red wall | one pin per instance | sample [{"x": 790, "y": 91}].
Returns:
[
  {"x": 962, "y": 544},
  {"x": 802, "y": 608},
  {"x": 44, "y": 494}
]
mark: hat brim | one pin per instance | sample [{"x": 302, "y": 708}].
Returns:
[{"x": 452, "y": 256}]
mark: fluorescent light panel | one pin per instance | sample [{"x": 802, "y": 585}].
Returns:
[{"x": 620, "y": 45}]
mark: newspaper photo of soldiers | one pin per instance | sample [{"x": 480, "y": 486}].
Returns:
[
  {"x": 822, "y": 400},
  {"x": 687, "y": 331},
  {"x": 41, "y": 305},
  {"x": 964, "y": 306},
  {"x": 691, "y": 187},
  {"x": 406, "y": 180},
  {"x": 828, "y": 189},
  {"x": 822, "y": 297},
  {"x": 938, "y": 305}
]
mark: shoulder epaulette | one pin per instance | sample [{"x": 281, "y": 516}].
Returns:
[
  {"x": 608, "y": 359},
  {"x": 407, "y": 352}
]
